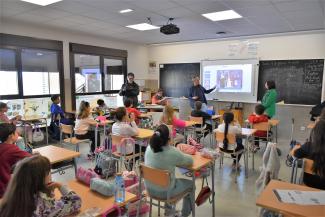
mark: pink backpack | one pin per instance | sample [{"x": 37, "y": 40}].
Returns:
[
  {"x": 84, "y": 175},
  {"x": 130, "y": 178},
  {"x": 193, "y": 142},
  {"x": 187, "y": 149}
]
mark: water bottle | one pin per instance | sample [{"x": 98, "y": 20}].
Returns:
[{"x": 120, "y": 188}]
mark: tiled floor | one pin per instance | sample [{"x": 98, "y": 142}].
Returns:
[{"x": 232, "y": 199}]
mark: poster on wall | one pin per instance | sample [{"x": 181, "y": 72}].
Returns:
[
  {"x": 38, "y": 106},
  {"x": 152, "y": 67},
  {"x": 15, "y": 107},
  {"x": 243, "y": 49}
]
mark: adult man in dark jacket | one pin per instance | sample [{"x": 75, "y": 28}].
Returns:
[
  {"x": 197, "y": 93},
  {"x": 130, "y": 90}
]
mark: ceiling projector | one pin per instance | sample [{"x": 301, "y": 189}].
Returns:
[{"x": 169, "y": 29}]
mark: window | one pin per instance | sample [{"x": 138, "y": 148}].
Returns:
[
  {"x": 88, "y": 77},
  {"x": 8, "y": 71},
  {"x": 96, "y": 71},
  {"x": 30, "y": 67},
  {"x": 114, "y": 77},
  {"x": 40, "y": 72}
]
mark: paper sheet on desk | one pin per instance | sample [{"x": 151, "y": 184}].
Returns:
[{"x": 301, "y": 197}]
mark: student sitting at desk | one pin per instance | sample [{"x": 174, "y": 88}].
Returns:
[
  {"x": 229, "y": 126},
  {"x": 258, "y": 117},
  {"x": 158, "y": 98},
  {"x": 82, "y": 128},
  {"x": 30, "y": 192},
  {"x": 131, "y": 110},
  {"x": 4, "y": 118},
  {"x": 101, "y": 108},
  {"x": 314, "y": 150},
  {"x": 161, "y": 155},
  {"x": 169, "y": 118},
  {"x": 9, "y": 153},
  {"x": 57, "y": 117},
  {"x": 197, "y": 112},
  {"x": 125, "y": 126},
  {"x": 57, "y": 112}
]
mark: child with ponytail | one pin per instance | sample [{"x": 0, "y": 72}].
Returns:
[
  {"x": 161, "y": 155},
  {"x": 229, "y": 126},
  {"x": 83, "y": 125}
]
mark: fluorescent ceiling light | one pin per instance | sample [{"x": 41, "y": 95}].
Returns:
[
  {"x": 125, "y": 11},
  {"x": 222, "y": 15},
  {"x": 41, "y": 2},
  {"x": 143, "y": 26}
]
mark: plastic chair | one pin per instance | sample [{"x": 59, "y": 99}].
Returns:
[
  {"x": 262, "y": 126},
  {"x": 71, "y": 140},
  {"x": 231, "y": 140},
  {"x": 120, "y": 142},
  {"x": 161, "y": 178}
]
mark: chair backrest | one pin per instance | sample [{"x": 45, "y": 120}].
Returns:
[
  {"x": 116, "y": 140},
  {"x": 231, "y": 137},
  {"x": 67, "y": 129},
  {"x": 198, "y": 120},
  {"x": 155, "y": 176},
  {"x": 308, "y": 166},
  {"x": 262, "y": 126}
]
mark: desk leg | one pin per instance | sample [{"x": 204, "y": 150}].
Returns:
[
  {"x": 193, "y": 196},
  {"x": 246, "y": 150},
  {"x": 25, "y": 132},
  {"x": 47, "y": 132},
  {"x": 213, "y": 193},
  {"x": 276, "y": 134},
  {"x": 75, "y": 166},
  {"x": 96, "y": 132}
]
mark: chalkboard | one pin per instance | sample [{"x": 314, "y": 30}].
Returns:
[
  {"x": 176, "y": 79},
  {"x": 297, "y": 81}
]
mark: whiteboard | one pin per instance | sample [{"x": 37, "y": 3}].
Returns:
[{"x": 252, "y": 78}]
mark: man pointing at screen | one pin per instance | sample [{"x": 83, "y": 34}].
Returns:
[{"x": 197, "y": 93}]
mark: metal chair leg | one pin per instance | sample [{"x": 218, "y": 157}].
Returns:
[
  {"x": 150, "y": 212},
  {"x": 158, "y": 208}
]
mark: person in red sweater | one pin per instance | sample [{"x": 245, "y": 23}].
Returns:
[
  {"x": 10, "y": 154},
  {"x": 255, "y": 118},
  {"x": 158, "y": 98},
  {"x": 129, "y": 109}
]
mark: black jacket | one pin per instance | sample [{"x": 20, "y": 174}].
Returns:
[{"x": 130, "y": 91}]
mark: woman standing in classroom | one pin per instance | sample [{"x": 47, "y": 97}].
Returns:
[{"x": 269, "y": 98}]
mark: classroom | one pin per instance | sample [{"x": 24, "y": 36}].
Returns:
[{"x": 168, "y": 108}]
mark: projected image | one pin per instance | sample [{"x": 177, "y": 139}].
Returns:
[
  {"x": 206, "y": 79},
  {"x": 230, "y": 79}
]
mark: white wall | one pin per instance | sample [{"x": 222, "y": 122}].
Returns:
[
  {"x": 137, "y": 53},
  {"x": 276, "y": 47}
]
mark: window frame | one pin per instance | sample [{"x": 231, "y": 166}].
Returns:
[
  {"x": 103, "y": 53},
  {"x": 18, "y": 43}
]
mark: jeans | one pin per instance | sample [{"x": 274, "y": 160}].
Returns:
[{"x": 181, "y": 185}]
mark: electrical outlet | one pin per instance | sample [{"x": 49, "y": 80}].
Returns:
[{"x": 302, "y": 128}]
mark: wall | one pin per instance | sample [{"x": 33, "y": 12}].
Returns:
[
  {"x": 137, "y": 53},
  {"x": 296, "y": 46}
]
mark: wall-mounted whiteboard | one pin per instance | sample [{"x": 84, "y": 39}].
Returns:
[{"x": 236, "y": 80}]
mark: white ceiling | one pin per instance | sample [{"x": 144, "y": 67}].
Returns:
[{"x": 101, "y": 17}]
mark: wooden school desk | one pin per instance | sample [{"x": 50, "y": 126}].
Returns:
[
  {"x": 56, "y": 154},
  {"x": 198, "y": 163},
  {"x": 91, "y": 199},
  {"x": 246, "y": 132},
  {"x": 143, "y": 137},
  {"x": 268, "y": 200},
  {"x": 30, "y": 120}
]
